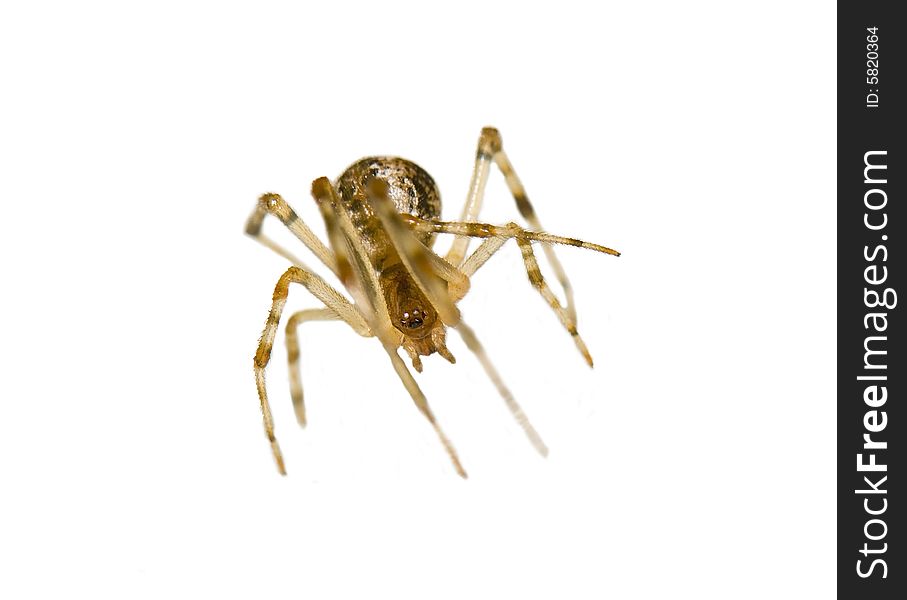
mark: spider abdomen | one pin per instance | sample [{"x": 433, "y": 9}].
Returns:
[{"x": 409, "y": 186}]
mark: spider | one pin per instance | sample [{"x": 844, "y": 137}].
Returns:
[{"x": 382, "y": 216}]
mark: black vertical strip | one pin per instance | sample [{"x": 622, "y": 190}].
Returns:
[{"x": 872, "y": 369}]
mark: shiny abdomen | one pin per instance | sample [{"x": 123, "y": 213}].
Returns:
[{"x": 412, "y": 190}]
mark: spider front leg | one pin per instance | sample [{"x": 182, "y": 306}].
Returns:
[
  {"x": 360, "y": 277},
  {"x": 428, "y": 270},
  {"x": 332, "y": 299},
  {"x": 495, "y": 238},
  {"x": 491, "y": 149}
]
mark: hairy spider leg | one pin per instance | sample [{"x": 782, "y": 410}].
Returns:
[
  {"x": 490, "y": 149},
  {"x": 292, "y": 341},
  {"x": 413, "y": 254},
  {"x": 538, "y": 282},
  {"x": 419, "y": 261},
  {"x": 275, "y": 205},
  {"x": 481, "y": 255},
  {"x": 332, "y": 299},
  {"x": 345, "y": 241},
  {"x": 496, "y": 236},
  {"x": 505, "y": 232}
]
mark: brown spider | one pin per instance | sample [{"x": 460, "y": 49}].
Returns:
[{"x": 381, "y": 217}]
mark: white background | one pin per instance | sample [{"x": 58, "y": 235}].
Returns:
[{"x": 694, "y": 460}]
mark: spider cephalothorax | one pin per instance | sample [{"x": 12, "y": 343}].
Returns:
[
  {"x": 413, "y": 316},
  {"x": 382, "y": 216},
  {"x": 410, "y": 310}
]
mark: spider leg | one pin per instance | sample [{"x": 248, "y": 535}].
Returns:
[
  {"x": 492, "y": 245},
  {"x": 354, "y": 268},
  {"x": 359, "y": 275},
  {"x": 490, "y": 148},
  {"x": 484, "y": 156},
  {"x": 472, "y": 342},
  {"x": 538, "y": 282},
  {"x": 418, "y": 261},
  {"x": 274, "y": 204},
  {"x": 511, "y": 230},
  {"x": 292, "y": 341},
  {"x": 422, "y": 404},
  {"x": 414, "y": 255},
  {"x": 332, "y": 299},
  {"x": 478, "y": 258},
  {"x": 495, "y": 238}
]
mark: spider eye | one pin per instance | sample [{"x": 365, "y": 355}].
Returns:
[{"x": 413, "y": 320}]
